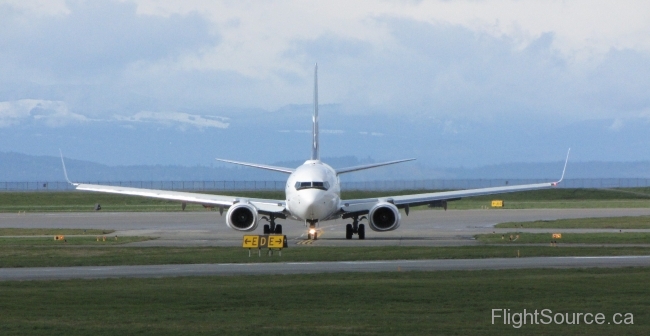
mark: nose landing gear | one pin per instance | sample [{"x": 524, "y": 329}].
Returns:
[
  {"x": 355, "y": 228},
  {"x": 312, "y": 233},
  {"x": 272, "y": 228}
]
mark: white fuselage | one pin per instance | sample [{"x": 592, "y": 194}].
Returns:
[{"x": 313, "y": 192}]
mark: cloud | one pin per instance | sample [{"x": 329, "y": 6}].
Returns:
[
  {"x": 57, "y": 114},
  {"x": 95, "y": 39},
  {"x": 617, "y": 125},
  {"x": 450, "y": 60},
  {"x": 179, "y": 119},
  {"x": 371, "y": 133},
  {"x": 584, "y": 27},
  {"x": 50, "y": 113}
]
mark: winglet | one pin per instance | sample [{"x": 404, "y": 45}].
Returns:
[
  {"x": 563, "y": 170},
  {"x": 65, "y": 172}
]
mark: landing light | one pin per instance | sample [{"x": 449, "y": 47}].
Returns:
[{"x": 312, "y": 231}]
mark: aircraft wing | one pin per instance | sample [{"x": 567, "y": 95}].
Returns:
[
  {"x": 264, "y": 206},
  {"x": 362, "y": 206}
]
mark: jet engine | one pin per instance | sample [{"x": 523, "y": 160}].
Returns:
[
  {"x": 384, "y": 217},
  {"x": 242, "y": 217}
]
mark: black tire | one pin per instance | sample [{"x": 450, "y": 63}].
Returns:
[
  {"x": 267, "y": 229},
  {"x": 362, "y": 231},
  {"x": 315, "y": 235},
  {"x": 278, "y": 229},
  {"x": 348, "y": 231}
]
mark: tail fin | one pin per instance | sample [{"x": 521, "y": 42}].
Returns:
[{"x": 315, "y": 155}]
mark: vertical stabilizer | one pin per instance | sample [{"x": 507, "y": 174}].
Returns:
[{"x": 315, "y": 155}]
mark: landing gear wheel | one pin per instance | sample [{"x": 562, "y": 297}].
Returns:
[
  {"x": 362, "y": 231},
  {"x": 315, "y": 235},
  {"x": 278, "y": 229},
  {"x": 267, "y": 229},
  {"x": 348, "y": 231}
]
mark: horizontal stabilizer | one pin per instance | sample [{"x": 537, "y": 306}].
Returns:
[
  {"x": 261, "y": 166},
  {"x": 368, "y": 166}
]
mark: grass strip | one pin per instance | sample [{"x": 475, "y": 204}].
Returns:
[
  {"x": 51, "y": 232},
  {"x": 399, "y": 303},
  {"x": 632, "y": 222},
  {"x": 572, "y": 238},
  {"x": 101, "y": 255},
  {"x": 15, "y": 242},
  {"x": 471, "y": 203}
]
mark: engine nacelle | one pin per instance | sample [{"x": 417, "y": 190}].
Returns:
[
  {"x": 384, "y": 217},
  {"x": 242, "y": 217}
]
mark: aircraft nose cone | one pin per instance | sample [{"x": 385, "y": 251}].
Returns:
[
  {"x": 309, "y": 198},
  {"x": 311, "y": 201}
]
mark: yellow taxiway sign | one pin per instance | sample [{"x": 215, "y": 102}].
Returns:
[{"x": 262, "y": 241}]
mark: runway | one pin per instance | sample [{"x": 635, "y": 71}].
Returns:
[
  {"x": 155, "y": 271},
  {"x": 425, "y": 228},
  {"x": 422, "y": 227}
]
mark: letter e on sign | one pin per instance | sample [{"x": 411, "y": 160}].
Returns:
[
  {"x": 276, "y": 241},
  {"x": 250, "y": 241}
]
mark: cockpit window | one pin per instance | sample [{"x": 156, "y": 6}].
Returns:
[{"x": 312, "y": 185}]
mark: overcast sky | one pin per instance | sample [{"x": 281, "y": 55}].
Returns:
[{"x": 202, "y": 63}]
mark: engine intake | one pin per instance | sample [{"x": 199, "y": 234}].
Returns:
[
  {"x": 384, "y": 217},
  {"x": 242, "y": 217}
]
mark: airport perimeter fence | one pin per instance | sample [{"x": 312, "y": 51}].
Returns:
[{"x": 455, "y": 184}]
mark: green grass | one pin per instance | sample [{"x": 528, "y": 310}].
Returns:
[
  {"x": 572, "y": 238},
  {"x": 14, "y": 242},
  {"x": 467, "y": 204},
  {"x": 83, "y": 201},
  {"x": 98, "y": 254},
  {"x": 399, "y": 303},
  {"x": 51, "y": 232},
  {"x": 562, "y": 199},
  {"x": 550, "y": 198},
  {"x": 632, "y": 222}
]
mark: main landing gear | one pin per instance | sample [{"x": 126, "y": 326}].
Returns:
[
  {"x": 272, "y": 228},
  {"x": 355, "y": 227}
]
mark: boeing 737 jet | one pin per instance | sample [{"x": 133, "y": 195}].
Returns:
[{"x": 313, "y": 195}]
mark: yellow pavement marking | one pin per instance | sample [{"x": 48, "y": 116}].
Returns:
[{"x": 311, "y": 241}]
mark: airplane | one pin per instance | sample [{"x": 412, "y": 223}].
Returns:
[{"x": 313, "y": 195}]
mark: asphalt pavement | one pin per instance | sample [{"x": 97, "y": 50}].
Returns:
[{"x": 156, "y": 271}]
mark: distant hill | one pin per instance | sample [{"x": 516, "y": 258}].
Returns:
[{"x": 16, "y": 167}]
